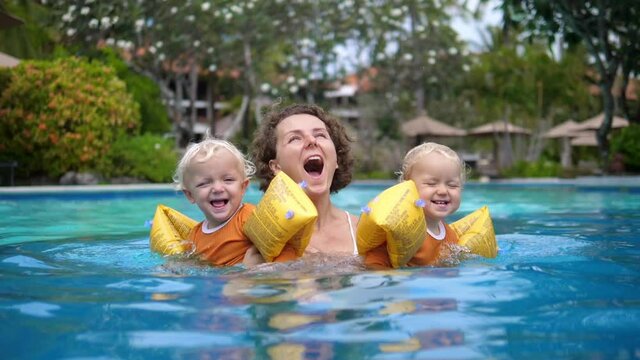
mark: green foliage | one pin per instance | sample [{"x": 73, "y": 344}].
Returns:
[
  {"x": 63, "y": 115},
  {"x": 149, "y": 157},
  {"x": 542, "y": 168},
  {"x": 144, "y": 91},
  {"x": 627, "y": 143},
  {"x": 375, "y": 175}
]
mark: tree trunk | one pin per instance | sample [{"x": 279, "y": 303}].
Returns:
[
  {"x": 177, "y": 106},
  {"x": 193, "y": 97},
  {"x": 416, "y": 67},
  {"x": 606, "y": 86},
  {"x": 565, "y": 159},
  {"x": 506, "y": 150},
  {"x": 250, "y": 82},
  {"x": 211, "y": 120}
]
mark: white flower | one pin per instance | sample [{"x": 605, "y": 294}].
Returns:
[
  {"x": 466, "y": 67},
  {"x": 196, "y": 43},
  {"x": 453, "y": 51},
  {"x": 210, "y": 50},
  {"x": 152, "y": 49},
  {"x": 431, "y": 61},
  {"x": 213, "y": 67},
  {"x": 67, "y": 17},
  {"x": 71, "y": 32},
  {"x": 72, "y": 8},
  {"x": 408, "y": 57},
  {"x": 84, "y": 10},
  {"x": 265, "y": 87},
  {"x": 174, "y": 10},
  {"x": 161, "y": 57},
  {"x": 93, "y": 23},
  {"x": 159, "y": 44},
  {"x": 156, "y": 146},
  {"x": 105, "y": 22},
  {"x": 291, "y": 79},
  {"x": 111, "y": 41},
  {"x": 205, "y": 6},
  {"x": 303, "y": 82},
  {"x": 191, "y": 18},
  {"x": 139, "y": 24},
  {"x": 432, "y": 53},
  {"x": 396, "y": 12},
  {"x": 293, "y": 89}
]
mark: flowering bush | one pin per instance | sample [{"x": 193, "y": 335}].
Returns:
[{"x": 63, "y": 115}]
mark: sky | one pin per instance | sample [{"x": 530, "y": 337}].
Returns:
[{"x": 470, "y": 30}]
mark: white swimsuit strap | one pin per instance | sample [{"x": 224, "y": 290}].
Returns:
[{"x": 353, "y": 236}]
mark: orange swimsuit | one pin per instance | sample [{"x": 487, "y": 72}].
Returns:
[
  {"x": 226, "y": 245},
  {"x": 428, "y": 254}
]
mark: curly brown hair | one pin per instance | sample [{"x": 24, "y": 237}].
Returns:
[{"x": 263, "y": 147}]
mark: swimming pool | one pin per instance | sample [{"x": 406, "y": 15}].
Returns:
[{"x": 77, "y": 280}]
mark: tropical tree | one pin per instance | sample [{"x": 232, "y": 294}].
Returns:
[{"x": 608, "y": 29}]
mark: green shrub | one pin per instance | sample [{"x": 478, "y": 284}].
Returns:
[
  {"x": 542, "y": 168},
  {"x": 149, "y": 157},
  {"x": 627, "y": 143},
  {"x": 63, "y": 115},
  {"x": 145, "y": 92}
]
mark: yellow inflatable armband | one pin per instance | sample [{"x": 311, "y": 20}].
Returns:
[
  {"x": 395, "y": 217},
  {"x": 476, "y": 232},
  {"x": 169, "y": 231},
  {"x": 285, "y": 214}
]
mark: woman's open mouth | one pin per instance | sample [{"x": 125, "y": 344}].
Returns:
[{"x": 314, "y": 165}]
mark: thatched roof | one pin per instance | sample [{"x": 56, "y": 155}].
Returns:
[
  {"x": 7, "y": 21},
  {"x": 595, "y": 122},
  {"x": 8, "y": 60},
  {"x": 499, "y": 127},
  {"x": 425, "y": 125},
  {"x": 584, "y": 138},
  {"x": 566, "y": 129}
]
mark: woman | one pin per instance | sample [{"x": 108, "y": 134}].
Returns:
[{"x": 309, "y": 145}]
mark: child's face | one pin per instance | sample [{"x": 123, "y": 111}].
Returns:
[
  {"x": 439, "y": 185},
  {"x": 217, "y": 186}
]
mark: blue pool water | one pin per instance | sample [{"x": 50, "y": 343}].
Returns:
[{"x": 77, "y": 281}]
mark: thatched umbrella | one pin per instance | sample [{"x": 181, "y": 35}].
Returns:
[
  {"x": 584, "y": 138},
  {"x": 8, "y": 60},
  {"x": 496, "y": 128},
  {"x": 499, "y": 127},
  {"x": 564, "y": 131},
  {"x": 7, "y": 21},
  {"x": 595, "y": 122},
  {"x": 424, "y": 126}
]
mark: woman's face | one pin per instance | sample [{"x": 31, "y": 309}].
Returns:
[{"x": 305, "y": 151}]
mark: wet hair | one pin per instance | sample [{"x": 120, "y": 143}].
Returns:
[
  {"x": 203, "y": 151},
  {"x": 423, "y": 149},
  {"x": 263, "y": 147}
]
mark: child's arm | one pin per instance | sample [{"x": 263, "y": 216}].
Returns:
[
  {"x": 252, "y": 257},
  {"x": 378, "y": 258}
]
